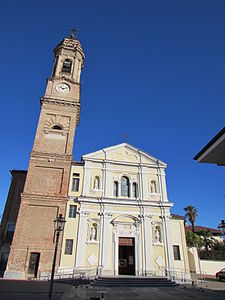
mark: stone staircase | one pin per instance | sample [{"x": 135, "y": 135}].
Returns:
[{"x": 133, "y": 281}]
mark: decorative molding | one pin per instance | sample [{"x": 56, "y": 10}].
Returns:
[
  {"x": 83, "y": 213},
  {"x": 92, "y": 259},
  {"x": 63, "y": 103}
]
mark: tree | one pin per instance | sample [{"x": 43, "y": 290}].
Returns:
[
  {"x": 207, "y": 240},
  {"x": 193, "y": 240},
  {"x": 191, "y": 214}
]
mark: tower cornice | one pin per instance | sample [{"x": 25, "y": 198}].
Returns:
[{"x": 63, "y": 103}]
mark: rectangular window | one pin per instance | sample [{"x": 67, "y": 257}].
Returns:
[
  {"x": 75, "y": 182},
  {"x": 176, "y": 252},
  {"x": 115, "y": 189},
  {"x": 73, "y": 211},
  {"x": 69, "y": 247},
  {"x": 135, "y": 190},
  {"x": 10, "y": 232}
]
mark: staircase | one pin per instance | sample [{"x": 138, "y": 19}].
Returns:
[{"x": 133, "y": 281}]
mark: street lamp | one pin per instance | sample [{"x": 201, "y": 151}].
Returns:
[
  {"x": 221, "y": 227},
  {"x": 59, "y": 224}
]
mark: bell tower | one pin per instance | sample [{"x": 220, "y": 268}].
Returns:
[{"x": 46, "y": 187}]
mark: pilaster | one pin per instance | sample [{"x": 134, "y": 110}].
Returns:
[{"x": 82, "y": 239}]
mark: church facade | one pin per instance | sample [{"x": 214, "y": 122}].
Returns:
[{"x": 118, "y": 219}]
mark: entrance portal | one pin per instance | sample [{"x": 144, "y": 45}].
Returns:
[{"x": 126, "y": 256}]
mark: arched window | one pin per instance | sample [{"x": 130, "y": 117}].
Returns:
[
  {"x": 57, "y": 127},
  {"x": 67, "y": 65},
  {"x": 125, "y": 191},
  {"x": 153, "y": 187}
]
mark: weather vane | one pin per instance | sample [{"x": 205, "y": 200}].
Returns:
[{"x": 73, "y": 31}]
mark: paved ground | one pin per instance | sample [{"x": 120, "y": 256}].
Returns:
[{"x": 34, "y": 290}]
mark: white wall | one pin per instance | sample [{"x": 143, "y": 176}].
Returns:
[{"x": 210, "y": 267}]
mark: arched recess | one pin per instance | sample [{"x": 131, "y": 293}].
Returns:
[{"x": 125, "y": 219}]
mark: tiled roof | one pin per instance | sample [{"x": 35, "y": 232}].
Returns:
[{"x": 200, "y": 228}]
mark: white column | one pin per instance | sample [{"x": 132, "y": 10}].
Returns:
[
  {"x": 167, "y": 241},
  {"x": 145, "y": 184},
  {"x": 108, "y": 181},
  {"x": 140, "y": 183},
  {"x": 86, "y": 179},
  {"x": 131, "y": 190},
  {"x": 81, "y": 240},
  {"x": 137, "y": 251},
  {"x": 163, "y": 185},
  {"x": 100, "y": 261},
  {"x": 115, "y": 250},
  {"x": 143, "y": 244},
  {"x": 107, "y": 244},
  {"x": 148, "y": 244}
]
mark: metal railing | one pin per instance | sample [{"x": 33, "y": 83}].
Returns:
[
  {"x": 90, "y": 273},
  {"x": 69, "y": 273},
  {"x": 175, "y": 274}
]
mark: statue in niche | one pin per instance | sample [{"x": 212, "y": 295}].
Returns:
[
  {"x": 96, "y": 183},
  {"x": 153, "y": 187},
  {"x": 93, "y": 232},
  {"x": 157, "y": 234}
]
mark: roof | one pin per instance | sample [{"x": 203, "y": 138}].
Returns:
[
  {"x": 214, "y": 151},
  {"x": 18, "y": 171},
  {"x": 200, "y": 228},
  {"x": 174, "y": 216},
  {"x": 105, "y": 152}
]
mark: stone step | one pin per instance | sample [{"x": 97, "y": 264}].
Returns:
[{"x": 135, "y": 281}]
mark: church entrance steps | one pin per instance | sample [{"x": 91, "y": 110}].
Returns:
[{"x": 133, "y": 281}]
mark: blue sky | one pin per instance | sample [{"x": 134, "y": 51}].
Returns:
[{"x": 154, "y": 70}]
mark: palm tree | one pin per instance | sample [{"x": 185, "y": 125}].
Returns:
[
  {"x": 191, "y": 214},
  {"x": 207, "y": 240}
]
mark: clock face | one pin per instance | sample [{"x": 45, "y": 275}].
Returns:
[{"x": 63, "y": 88}]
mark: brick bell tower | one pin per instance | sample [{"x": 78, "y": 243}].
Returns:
[{"x": 46, "y": 187}]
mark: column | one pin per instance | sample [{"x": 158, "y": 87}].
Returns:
[
  {"x": 81, "y": 240},
  {"x": 149, "y": 267},
  {"x": 167, "y": 241},
  {"x": 107, "y": 244},
  {"x": 145, "y": 184},
  {"x": 143, "y": 244},
  {"x": 115, "y": 250},
  {"x": 108, "y": 182},
  {"x": 100, "y": 260},
  {"x": 137, "y": 251},
  {"x": 87, "y": 179}
]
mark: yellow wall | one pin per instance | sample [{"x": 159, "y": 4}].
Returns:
[{"x": 70, "y": 232}]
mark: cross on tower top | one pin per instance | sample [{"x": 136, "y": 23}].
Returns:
[
  {"x": 73, "y": 31},
  {"x": 125, "y": 137}
]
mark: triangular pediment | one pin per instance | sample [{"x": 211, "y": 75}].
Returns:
[{"x": 125, "y": 153}]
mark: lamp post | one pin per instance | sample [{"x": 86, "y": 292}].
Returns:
[
  {"x": 59, "y": 226},
  {"x": 221, "y": 227}
]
